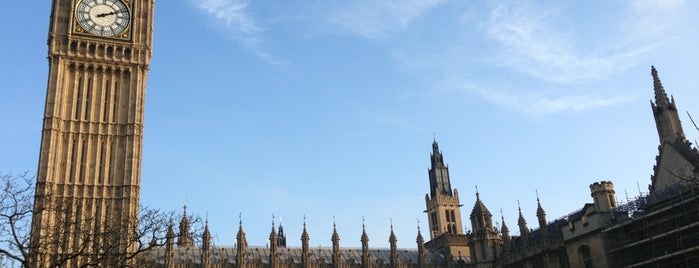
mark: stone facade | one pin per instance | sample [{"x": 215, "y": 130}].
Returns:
[
  {"x": 88, "y": 181},
  {"x": 89, "y": 171},
  {"x": 657, "y": 230},
  {"x": 660, "y": 229}
]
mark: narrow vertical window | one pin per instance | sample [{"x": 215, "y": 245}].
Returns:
[
  {"x": 115, "y": 102},
  {"x": 88, "y": 95},
  {"x": 107, "y": 95},
  {"x": 585, "y": 256},
  {"x": 79, "y": 102},
  {"x": 83, "y": 158},
  {"x": 103, "y": 151},
  {"x": 73, "y": 158}
]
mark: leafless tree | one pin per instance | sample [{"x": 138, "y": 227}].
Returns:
[
  {"x": 123, "y": 243},
  {"x": 16, "y": 210}
]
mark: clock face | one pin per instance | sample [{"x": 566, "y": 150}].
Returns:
[{"x": 103, "y": 17}]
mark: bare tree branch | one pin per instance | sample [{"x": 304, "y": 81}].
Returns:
[{"x": 125, "y": 242}]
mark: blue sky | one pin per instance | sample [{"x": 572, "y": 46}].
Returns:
[{"x": 327, "y": 108}]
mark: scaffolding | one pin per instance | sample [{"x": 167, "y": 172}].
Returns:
[{"x": 661, "y": 230}]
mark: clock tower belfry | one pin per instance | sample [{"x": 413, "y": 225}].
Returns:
[
  {"x": 444, "y": 211},
  {"x": 89, "y": 173}
]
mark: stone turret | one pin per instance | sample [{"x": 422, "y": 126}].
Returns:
[
  {"x": 677, "y": 160},
  {"x": 603, "y": 195},
  {"x": 336, "y": 247},
  {"x": 305, "y": 250},
  {"x": 421, "y": 253},
  {"x": 281, "y": 237},
  {"x": 206, "y": 245},
  {"x": 667, "y": 120},
  {"x": 170, "y": 246},
  {"x": 365, "y": 248},
  {"x": 185, "y": 238},
  {"x": 504, "y": 231},
  {"x": 484, "y": 242},
  {"x": 522, "y": 223},
  {"x": 241, "y": 245},
  {"x": 273, "y": 258},
  {"x": 541, "y": 216},
  {"x": 393, "y": 241}
]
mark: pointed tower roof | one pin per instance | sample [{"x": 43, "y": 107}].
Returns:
[
  {"x": 304, "y": 233},
  {"x": 440, "y": 183},
  {"x": 365, "y": 246},
  {"x": 206, "y": 236},
  {"x": 479, "y": 208},
  {"x": 541, "y": 216},
  {"x": 523, "y": 229},
  {"x": 392, "y": 238},
  {"x": 365, "y": 237},
  {"x": 394, "y": 247},
  {"x": 421, "y": 254},
  {"x": 661, "y": 99},
  {"x": 335, "y": 237},
  {"x": 241, "y": 242},
  {"x": 273, "y": 235},
  {"x": 281, "y": 237},
  {"x": 336, "y": 246},
  {"x": 504, "y": 230},
  {"x": 539, "y": 210},
  {"x": 185, "y": 239},
  {"x": 420, "y": 240}
]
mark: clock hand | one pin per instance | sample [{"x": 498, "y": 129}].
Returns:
[{"x": 109, "y": 13}]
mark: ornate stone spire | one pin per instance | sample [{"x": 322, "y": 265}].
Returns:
[
  {"x": 394, "y": 248},
  {"x": 439, "y": 173},
  {"x": 305, "y": 251},
  {"x": 185, "y": 239},
  {"x": 365, "y": 247},
  {"x": 541, "y": 216},
  {"x": 206, "y": 243},
  {"x": 661, "y": 99},
  {"x": 421, "y": 253},
  {"x": 481, "y": 218},
  {"x": 241, "y": 243},
  {"x": 281, "y": 237},
  {"x": 273, "y": 245},
  {"x": 667, "y": 119},
  {"x": 523, "y": 230},
  {"x": 505, "y": 230},
  {"x": 336, "y": 246},
  {"x": 170, "y": 245}
]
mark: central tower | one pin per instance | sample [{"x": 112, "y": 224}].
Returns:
[
  {"x": 443, "y": 207},
  {"x": 444, "y": 210},
  {"x": 89, "y": 173}
]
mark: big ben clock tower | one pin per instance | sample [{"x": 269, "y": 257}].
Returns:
[{"x": 89, "y": 174}]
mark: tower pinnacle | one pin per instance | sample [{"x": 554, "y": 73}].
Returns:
[
  {"x": 660, "y": 95},
  {"x": 667, "y": 121}
]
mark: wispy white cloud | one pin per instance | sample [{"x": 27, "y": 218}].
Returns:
[
  {"x": 233, "y": 18},
  {"x": 533, "y": 46},
  {"x": 535, "y": 43},
  {"x": 378, "y": 19},
  {"x": 521, "y": 38},
  {"x": 536, "y": 104}
]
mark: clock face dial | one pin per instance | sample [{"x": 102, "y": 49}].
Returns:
[{"x": 103, "y": 17}]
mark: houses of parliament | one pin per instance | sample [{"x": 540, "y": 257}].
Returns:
[{"x": 90, "y": 160}]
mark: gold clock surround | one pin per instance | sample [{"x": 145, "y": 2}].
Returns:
[{"x": 124, "y": 34}]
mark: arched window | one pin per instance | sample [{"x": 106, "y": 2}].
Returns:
[{"x": 585, "y": 256}]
